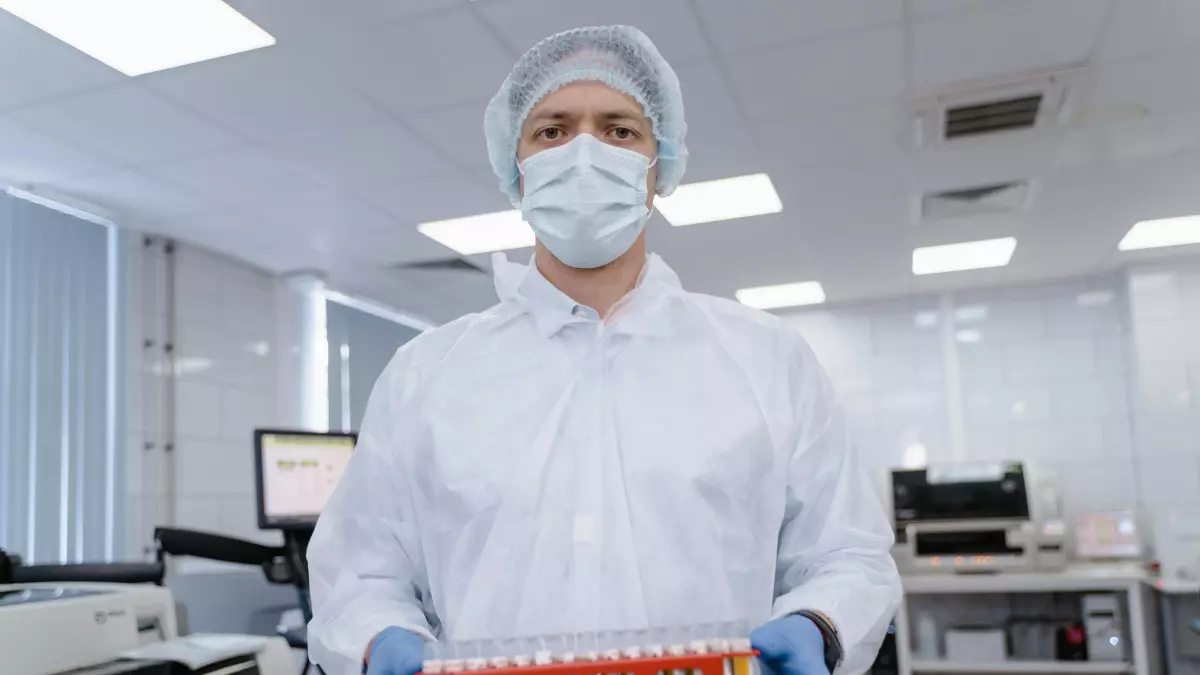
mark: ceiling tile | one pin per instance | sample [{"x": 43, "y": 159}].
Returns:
[
  {"x": 960, "y": 47},
  {"x": 267, "y": 94},
  {"x": 396, "y": 245},
  {"x": 457, "y": 132},
  {"x": 300, "y": 19},
  {"x": 756, "y": 23},
  {"x": 1163, "y": 85},
  {"x": 670, "y": 24},
  {"x": 241, "y": 177},
  {"x": 834, "y": 137},
  {"x": 323, "y": 219},
  {"x": 707, "y": 98},
  {"x": 27, "y": 157},
  {"x": 370, "y": 154},
  {"x": 126, "y": 123},
  {"x": 856, "y": 68},
  {"x": 137, "y": 199},
  {"x": 419, "y": 200},
  {"x": 241, "y": 237},
  {"x": 35, "y": 66},
  {"x": 725, "y": 153},
  {"x": 1151, "y": 27},
  {"x": 930, "y": 7},
  {"x": 436, "y": 61}
]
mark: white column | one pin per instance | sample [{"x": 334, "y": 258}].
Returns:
[{"x": 303, "y": 354}]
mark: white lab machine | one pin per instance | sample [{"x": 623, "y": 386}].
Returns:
[
  {"x": 1178, "y": 549},
  {"x": 974, "y": 518},
  {"x": 64, "y": 627},
  {"x": 1103, "y": 623}
]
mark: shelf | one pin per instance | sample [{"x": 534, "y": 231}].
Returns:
[
  {"x": 1079, "y": 578},
  {"x": 1023, "y": 666}
]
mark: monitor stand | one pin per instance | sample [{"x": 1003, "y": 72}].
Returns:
[{"x": 295, "y": 542}]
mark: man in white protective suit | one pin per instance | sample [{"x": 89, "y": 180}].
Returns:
[{"x": 602, "y": 450}]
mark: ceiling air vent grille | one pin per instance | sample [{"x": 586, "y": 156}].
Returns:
[
  {"x": 991, "y": 116},
  {"x": 991, "y": 199},
  {"x": 448, "y": 265}
]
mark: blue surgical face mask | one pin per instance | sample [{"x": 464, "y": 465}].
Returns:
[{"x": 586, "y": 200}]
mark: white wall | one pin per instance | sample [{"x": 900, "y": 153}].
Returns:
[
  {"x": 226, "y": 385},
  {"x": 1165, "y": 392},
  {"x": 1096, "y": 381}
]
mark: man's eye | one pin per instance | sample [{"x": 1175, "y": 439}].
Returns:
[
  {"x": 623, "y": 133},
  {"x": 550, "y": 134}
]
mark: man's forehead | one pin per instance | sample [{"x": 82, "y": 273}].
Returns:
[{"x": 587, "y": 97}]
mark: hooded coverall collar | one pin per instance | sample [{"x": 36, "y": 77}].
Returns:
[{"x": 524, "y": 287}]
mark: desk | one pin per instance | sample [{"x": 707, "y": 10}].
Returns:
[{"x": 1129, "y": 580}]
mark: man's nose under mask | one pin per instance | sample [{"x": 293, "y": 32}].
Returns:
[{"x": 586, "y": 200}]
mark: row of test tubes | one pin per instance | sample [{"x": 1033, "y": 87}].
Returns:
[{"x": 597, "y": 646}]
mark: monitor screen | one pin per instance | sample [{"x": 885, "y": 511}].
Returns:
[{"x": 297, "y": 472}]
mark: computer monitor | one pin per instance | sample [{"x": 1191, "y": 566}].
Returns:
[{"x": 297, "y": 471}]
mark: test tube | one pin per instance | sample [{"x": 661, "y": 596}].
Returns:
[
  {"x": 567, "y": 646},
  {"x": 498, "y": 655},
  {"x": 453, "y": 661},
  {"x": 696, "y": 642},
  {"x": 432, "y": 660},
  {"x": 656, "y": 642},
  {"x": 631, "y": 642},
  {"x": 475, "y": 660},
  {"x": 521, "y": 652},
  {"x": 587, "y": 647},
  {"x": 744, "y": 663}
]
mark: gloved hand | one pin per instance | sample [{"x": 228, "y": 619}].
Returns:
[
  {"x": 395, "y": 651},
  {"x": 792, "y": 645}
]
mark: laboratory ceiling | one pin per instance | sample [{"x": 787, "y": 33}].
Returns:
[{"x": 325, "y": 151}]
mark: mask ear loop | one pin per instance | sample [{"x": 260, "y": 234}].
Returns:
[{"x": 651, "y": 213}]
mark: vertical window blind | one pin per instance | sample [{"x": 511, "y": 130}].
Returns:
[{"x": 61, "y": 483}]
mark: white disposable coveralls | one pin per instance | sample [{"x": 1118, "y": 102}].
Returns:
[{"x": 531, "y": 470}]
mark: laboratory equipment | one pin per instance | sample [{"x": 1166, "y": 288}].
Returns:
[
  {"x": 64, "y": 627},
  {"x": 296, "y": 473},
  {"x": 973, "y": 518},
  {"x": 976, "y": 644},
  {"x": 711, "y": 648},
  {"x": 1070, "y": 643},
  {"x": 1103, "y": 624},
  {"x": 927, "y": 637},
  {"x": 1107, "y": 536},
  {"x": 1178, "y": 549}
]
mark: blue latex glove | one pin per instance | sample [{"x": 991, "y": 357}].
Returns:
[
  {"x": 792, "y": 645},
  {"x": 395, "y": 651}
]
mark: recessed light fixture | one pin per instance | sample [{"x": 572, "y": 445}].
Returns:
[
  {"x": 484, "y": 233},
  {"x": 142, "y": 36},
  {"x": 971, "y": 255},
  {"x": 1162, "y": 232},
  {"x": 716, "y": 200},
  {"x": 782, "y": 295}
]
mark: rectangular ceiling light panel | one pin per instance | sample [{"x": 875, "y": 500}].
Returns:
[
  {"x": 1163, "y": 232},
  {"x": 499, "y": 231},
  {"x": 716, "y": 200},
  {"x": 782, "y": 295},
  {"x": 971, "y": 255},
  {"x": 143, "y": 36}
]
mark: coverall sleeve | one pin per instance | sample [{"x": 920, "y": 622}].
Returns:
[
  {"x": 835, "y": 541},
  {"x": 366, "y": 569}
]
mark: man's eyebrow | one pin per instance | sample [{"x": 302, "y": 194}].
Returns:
[
  {"x": 628, "y": 115},
  {"x": 551, "y": 114}
]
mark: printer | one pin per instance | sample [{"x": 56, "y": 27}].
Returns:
[
  {"x": 973, "y": 518},
  {"x": 64, "y": 627}
]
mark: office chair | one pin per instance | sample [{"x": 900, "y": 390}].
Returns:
[
  {"x": 13, "y": 571},
  {"x": 280, "y": 565}
]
